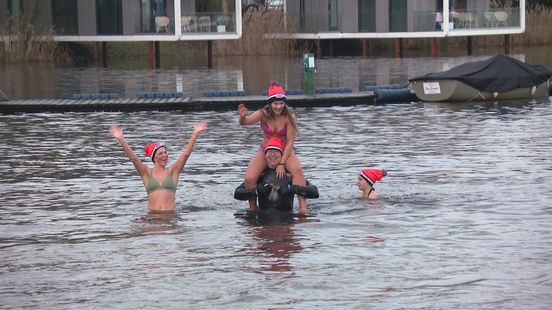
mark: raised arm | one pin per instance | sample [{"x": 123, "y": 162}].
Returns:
[
  {"x": 248, "y": 119},
  {"x": 181, "y": 161},
  {"x": 117, "y": 133}
]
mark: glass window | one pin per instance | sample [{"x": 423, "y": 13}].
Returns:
[
  {"x": 109, "y": 16},
  {"x": 334, "y": 26},
  {"x": 367, "y": 15},
  {"x": 65, "y": 16}
]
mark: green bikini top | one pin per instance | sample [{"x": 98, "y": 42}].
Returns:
[{"x": 167, "y": 184}]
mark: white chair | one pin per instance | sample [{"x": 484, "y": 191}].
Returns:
[
  {"x": 162, "y": 22},
  {"x": 186, "y": 22},
  {"x": 501, "y": 17},
  {"x": 489, "y": 19},
  {"x": 204, "y": 23}
]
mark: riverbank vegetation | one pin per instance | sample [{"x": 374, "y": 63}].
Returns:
[{"x": 23, "y": 42}]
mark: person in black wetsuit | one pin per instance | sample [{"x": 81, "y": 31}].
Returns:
[{"x": 273, "y": 192}]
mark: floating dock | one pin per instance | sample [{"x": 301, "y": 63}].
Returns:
[{"x": 178, "y": 103}]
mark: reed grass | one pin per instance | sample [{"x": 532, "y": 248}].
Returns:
[
  {"x": 24, "y": 42},
  {"x": 254, "y": 42}
]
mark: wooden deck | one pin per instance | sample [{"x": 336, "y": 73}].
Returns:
[{"x": 178, "y": 104}]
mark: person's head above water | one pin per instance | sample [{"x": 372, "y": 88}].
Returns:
[
  {"x": 372, "y": 175},
  {"x": 366, "y": 180},
  {"x": 274, "y": 149},
  {"x": 152, "y": 148}
]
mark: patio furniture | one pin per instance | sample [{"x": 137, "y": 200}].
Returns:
[
  {"x": 162, "y": 22},
  {"x": 204, "y": 23},
  {"x": 189, "y": 23},
  {"x": 501, "y": 17}
]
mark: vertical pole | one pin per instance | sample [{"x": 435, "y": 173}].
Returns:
[
  {"x": 365, "y": 48},
  {"x": 210, "y": 54},
  {"x": 507, "y": 44},
  {"x": 398, "y": 48},
  {"x": 318, "y": 48},
  {"x": 104, "y": 54},
  {"x": 470, "y": 46},
  {"x": 157, "y": 55},
  {"x": 150, "y": 55},
  {"x": 96, "y": 52},
  {"x": 433, "y": 47}
]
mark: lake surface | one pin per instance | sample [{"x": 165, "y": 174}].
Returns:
[{"x": 465, "y": 219}]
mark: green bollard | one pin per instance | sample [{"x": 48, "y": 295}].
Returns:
[{"x": 310, "y": 68}]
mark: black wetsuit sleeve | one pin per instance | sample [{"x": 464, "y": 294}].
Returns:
[
  {"x": 241, "y": 193},
  {"x": 309, "y": 191}
]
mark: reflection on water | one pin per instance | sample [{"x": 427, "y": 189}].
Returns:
[
  {"x": 250, "y": 74},
  {"x": 464, "y": 222}
]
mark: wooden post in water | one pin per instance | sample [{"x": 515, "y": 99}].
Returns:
[
  {"x": 157, "y": 55},
  {"x": 318, "y": 48},
  {"x": 150, "y": 55},
  {"x": 95, "y": 52},
  {"x": 433, "y": 47},
  {"x": 398, "y": 48},
  {"x": 365, "y": 48},
  {"x": 210, "y": 54},
  {"x": 470, "y": 46},
  {"x": 507, "y": 44}
]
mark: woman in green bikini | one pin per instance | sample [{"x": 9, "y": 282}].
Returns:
[{"x": 160, "y": 181}]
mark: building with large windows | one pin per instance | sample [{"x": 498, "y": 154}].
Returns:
[
  {"x": 337, "y": 19},
  {"x": 129, "y": 20}
]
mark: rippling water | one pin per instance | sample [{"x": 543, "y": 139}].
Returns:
[{"x": 464, "y": 222}]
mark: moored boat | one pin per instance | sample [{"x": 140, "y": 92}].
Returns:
[{"x": 497, "y": 78}]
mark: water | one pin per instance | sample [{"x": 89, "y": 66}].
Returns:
[
  {"x": 464, "y": 222},
  {"x": 250, "y": 74}
]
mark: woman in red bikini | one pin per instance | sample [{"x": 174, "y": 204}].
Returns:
[
  {"x": 276, "y": 120},
  {"x": 160, "y": 181}
]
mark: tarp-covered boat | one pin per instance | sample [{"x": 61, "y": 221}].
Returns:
[{"x": 497, "y": 78}]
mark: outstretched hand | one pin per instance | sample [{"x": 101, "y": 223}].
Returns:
[
  {"x": 242, "y": 110},
  {"x": 199, "y": 127},
  {"x": 116, "y": 132}
]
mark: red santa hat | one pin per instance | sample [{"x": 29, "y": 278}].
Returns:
[
  {"x": 372, "y": 175},
  {"x": 276, "y": 144},
  {"x": 276, "y": 92},
  {"x": 151, "y": 148}
]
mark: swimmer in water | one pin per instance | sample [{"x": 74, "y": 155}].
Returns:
[
  {"x": 366, "y": 180},
  {"x": 161, "y": 180}
]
